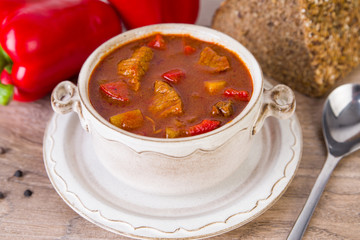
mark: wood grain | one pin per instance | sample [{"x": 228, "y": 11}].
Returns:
[{"x": 45, "y": 216}]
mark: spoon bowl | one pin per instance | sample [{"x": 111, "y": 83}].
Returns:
[
  {"x": 341, "y": 120},
  {"x": 341, "y": 129}
]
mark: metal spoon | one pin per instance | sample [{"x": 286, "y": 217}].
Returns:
[{"x": 341, "y": 129}]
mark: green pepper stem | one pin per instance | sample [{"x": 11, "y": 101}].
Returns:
[
  {"x": 6, "y": 91},
  {"x": 5, "y": 61}
]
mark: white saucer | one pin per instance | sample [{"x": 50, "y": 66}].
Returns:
[{"x": 92, "y": 192}]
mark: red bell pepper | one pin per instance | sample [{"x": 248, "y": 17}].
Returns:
[
  {"x": 46, "y": 41},
  {"x": 138, "y": 13},
  {"x": 8, "y": 6}
]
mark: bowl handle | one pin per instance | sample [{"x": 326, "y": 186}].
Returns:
[
  {"x": 65, "y": 98},
  {"x": 279, "y": 102}
]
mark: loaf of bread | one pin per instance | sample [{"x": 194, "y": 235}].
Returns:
[{"x": 308, "y": 45}]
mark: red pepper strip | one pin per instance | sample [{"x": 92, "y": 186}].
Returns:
[
  {"x": 236, "y": 94},
  {"x": 158, "y": 42},
  {"x": 174, "y": 75},
  {"x": 116, "y": 90},
  {"x": 203, "y": 127},
  {"x": 188, "y": 50},
  {"x": 138, "y": 13},
  {"x": 48, "y": 41}
]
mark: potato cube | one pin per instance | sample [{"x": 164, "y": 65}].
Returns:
[
  {"x": 214, "y": 87},
  {"x": 128, "y": 120}
]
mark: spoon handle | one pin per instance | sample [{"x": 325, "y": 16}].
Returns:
[{"x": 304, "y": 218}]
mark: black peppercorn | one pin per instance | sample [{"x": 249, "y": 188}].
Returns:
[
  {"x": 2, "y": 195},
  {"x": 2, "y": 150},
  {"x": 28, "y": 193},
  {"x": 18, "y": 173}
]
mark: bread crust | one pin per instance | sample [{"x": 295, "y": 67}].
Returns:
[{"x": 308, "y": 45}]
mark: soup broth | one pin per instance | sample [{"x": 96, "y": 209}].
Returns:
[{"x": 169, "y": 86}]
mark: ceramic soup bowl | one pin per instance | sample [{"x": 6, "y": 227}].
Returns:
[{"x": 180, "y": 165}]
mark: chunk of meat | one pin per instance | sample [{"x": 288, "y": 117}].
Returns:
[
  {"x": 224, "y": 108},
  {"x": 116, "y": 90},
  {"x": 214, "y": 87},
  {"x": 203, "y": 127},
  {"x": 128, "y": 120},
  {"x": 213, "y": 61},
  {"x": 166, "y": 100},
  {"x": 134, "y": 68}
]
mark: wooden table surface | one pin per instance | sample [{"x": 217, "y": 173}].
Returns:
[{"x": 45, "y": 216}]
